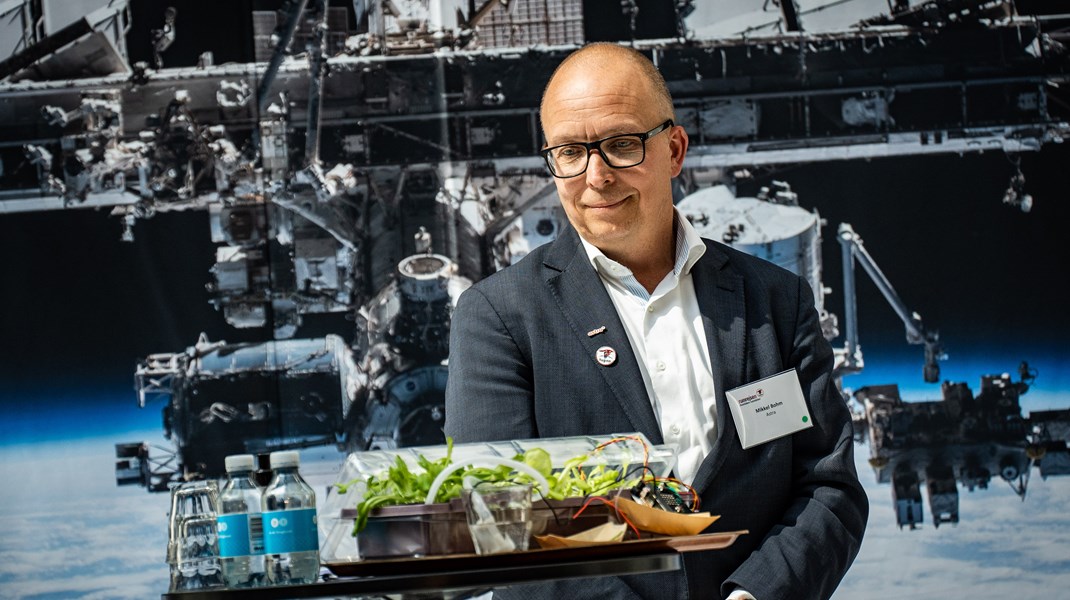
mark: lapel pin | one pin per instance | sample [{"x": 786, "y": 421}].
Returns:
[
  {"x": 605, "y": 356},
  {"x": 595, "y": 332}
]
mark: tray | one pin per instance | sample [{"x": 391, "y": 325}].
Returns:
[{"x": 531, "y": 558}]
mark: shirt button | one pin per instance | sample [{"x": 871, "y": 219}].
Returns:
[
  {"x": 675, "y": 429},
  {"x": 660, "y": 365},
  {"x": 650, "y": 309}
]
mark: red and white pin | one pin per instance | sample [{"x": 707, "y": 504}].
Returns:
[{"x": 605, "y": 356}]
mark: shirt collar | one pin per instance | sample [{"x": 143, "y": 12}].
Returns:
[{"x": 689, "y": 248}]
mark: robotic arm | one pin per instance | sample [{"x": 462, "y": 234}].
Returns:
[{"x": 853, "y": 250}]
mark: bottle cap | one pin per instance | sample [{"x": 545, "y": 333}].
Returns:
[
  {"x": 284, "y": 458},
  {"x": 238, "y": 462}
]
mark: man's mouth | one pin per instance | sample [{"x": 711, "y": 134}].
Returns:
[{"x": 608, "y": 205}]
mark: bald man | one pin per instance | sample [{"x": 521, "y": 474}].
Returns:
[{"x": 629, "y": 321}]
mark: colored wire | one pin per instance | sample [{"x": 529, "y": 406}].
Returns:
[{"x": 613, "y": 504}]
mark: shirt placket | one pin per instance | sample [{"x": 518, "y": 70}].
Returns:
[{"x": 659, "y": 365}]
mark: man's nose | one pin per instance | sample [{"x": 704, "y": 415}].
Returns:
[{"x": 598, "y": 172}]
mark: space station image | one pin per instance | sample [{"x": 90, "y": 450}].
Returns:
[{"x": 367, "y": 161}]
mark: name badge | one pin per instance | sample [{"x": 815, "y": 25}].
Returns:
[{"x": 769, "y": 408}]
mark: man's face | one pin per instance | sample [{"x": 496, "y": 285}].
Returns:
[{"x": 613, "y": 209}]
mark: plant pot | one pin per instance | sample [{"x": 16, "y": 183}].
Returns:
[{"x": 414, "y": 530}]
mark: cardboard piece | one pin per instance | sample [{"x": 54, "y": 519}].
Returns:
[
  {"x": 606, "y": 533},
  {"x": 656, "y": 520}
]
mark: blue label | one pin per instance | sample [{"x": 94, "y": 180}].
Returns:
[
  {"x": 233, "y": 535},
  {"x": 290, "y": 531}
]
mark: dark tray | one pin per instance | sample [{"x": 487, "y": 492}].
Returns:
[{"x": 531, "y": 558}]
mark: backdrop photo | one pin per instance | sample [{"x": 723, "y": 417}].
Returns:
[{"x": 246, "y": 269}]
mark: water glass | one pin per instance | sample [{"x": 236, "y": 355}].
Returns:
[
  {"x": 193, "y": 541},
  {"x": 499, "y": 517}
]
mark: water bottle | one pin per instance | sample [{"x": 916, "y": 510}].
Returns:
[
  {"x": 291, "y": 540},
  {"x": 241, "y": 534}
]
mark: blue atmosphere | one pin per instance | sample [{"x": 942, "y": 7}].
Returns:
[
  {"x": 903, "y": 366},
  {"x": 48, "y": 415}
]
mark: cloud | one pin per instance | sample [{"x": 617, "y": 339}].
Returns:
[
  {"x": 70, "y": 532},
  {"x": 1002, "y": 546}
]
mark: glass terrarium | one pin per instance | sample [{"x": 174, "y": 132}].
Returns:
[{"x": 429, "y": 528}]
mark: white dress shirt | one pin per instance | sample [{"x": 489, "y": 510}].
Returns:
[{"x": 666, "y": 334}]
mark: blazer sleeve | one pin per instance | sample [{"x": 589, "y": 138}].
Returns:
[
  {"x": 489, "y": 390},
  {"x": 807, "y": 553}
]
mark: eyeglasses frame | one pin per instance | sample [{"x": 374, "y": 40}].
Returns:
[{"x": 597, "y": 145}]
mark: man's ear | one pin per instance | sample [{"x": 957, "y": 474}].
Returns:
[{"x": 677, "y": 148}]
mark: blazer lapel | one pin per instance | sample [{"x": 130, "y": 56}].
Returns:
[
  {"x": 585, "y": 303},
  {"x": 723, "y": 307}
]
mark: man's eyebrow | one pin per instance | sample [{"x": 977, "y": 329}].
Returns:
[{"x": 622, "y": 130}]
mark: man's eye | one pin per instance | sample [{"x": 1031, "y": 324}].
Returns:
[
  {"x": 624, "y": 144},
  {"x": 569, "y": 153}
]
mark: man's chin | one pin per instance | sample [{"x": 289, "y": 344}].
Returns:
[{"x": 602, "y": 235}]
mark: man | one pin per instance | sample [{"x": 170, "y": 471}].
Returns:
[{"x": 630, "y": 322}]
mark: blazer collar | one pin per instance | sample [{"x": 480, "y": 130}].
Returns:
[
  {"x": 585, "y": 303},
  {"x": 722, "y": 304}
]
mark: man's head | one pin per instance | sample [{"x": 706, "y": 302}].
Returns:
[{"x": 604, "y": 90}]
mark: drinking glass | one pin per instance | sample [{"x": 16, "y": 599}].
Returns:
[
  {"x": 499, "y": 517},
  {"x": 192, "y": 543}
]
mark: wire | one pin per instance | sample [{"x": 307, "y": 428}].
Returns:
[
  {"x": 645, "y": 473},
  {"x": 695, "y": 500},
  {"x": 613, "y": 504}
]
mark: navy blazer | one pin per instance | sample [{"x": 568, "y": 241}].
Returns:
[{"x": 522, "y": 366}]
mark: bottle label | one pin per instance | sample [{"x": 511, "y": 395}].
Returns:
[
  {"x": 256, "y": 534},
  {"x": 233, "y": 535},
  {"x": 290, "y": 531}
]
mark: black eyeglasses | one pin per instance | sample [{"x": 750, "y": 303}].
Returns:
[{"x": 618, "y": 151}]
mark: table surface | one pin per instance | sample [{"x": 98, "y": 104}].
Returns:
[{"x": 443, "y": 574}]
